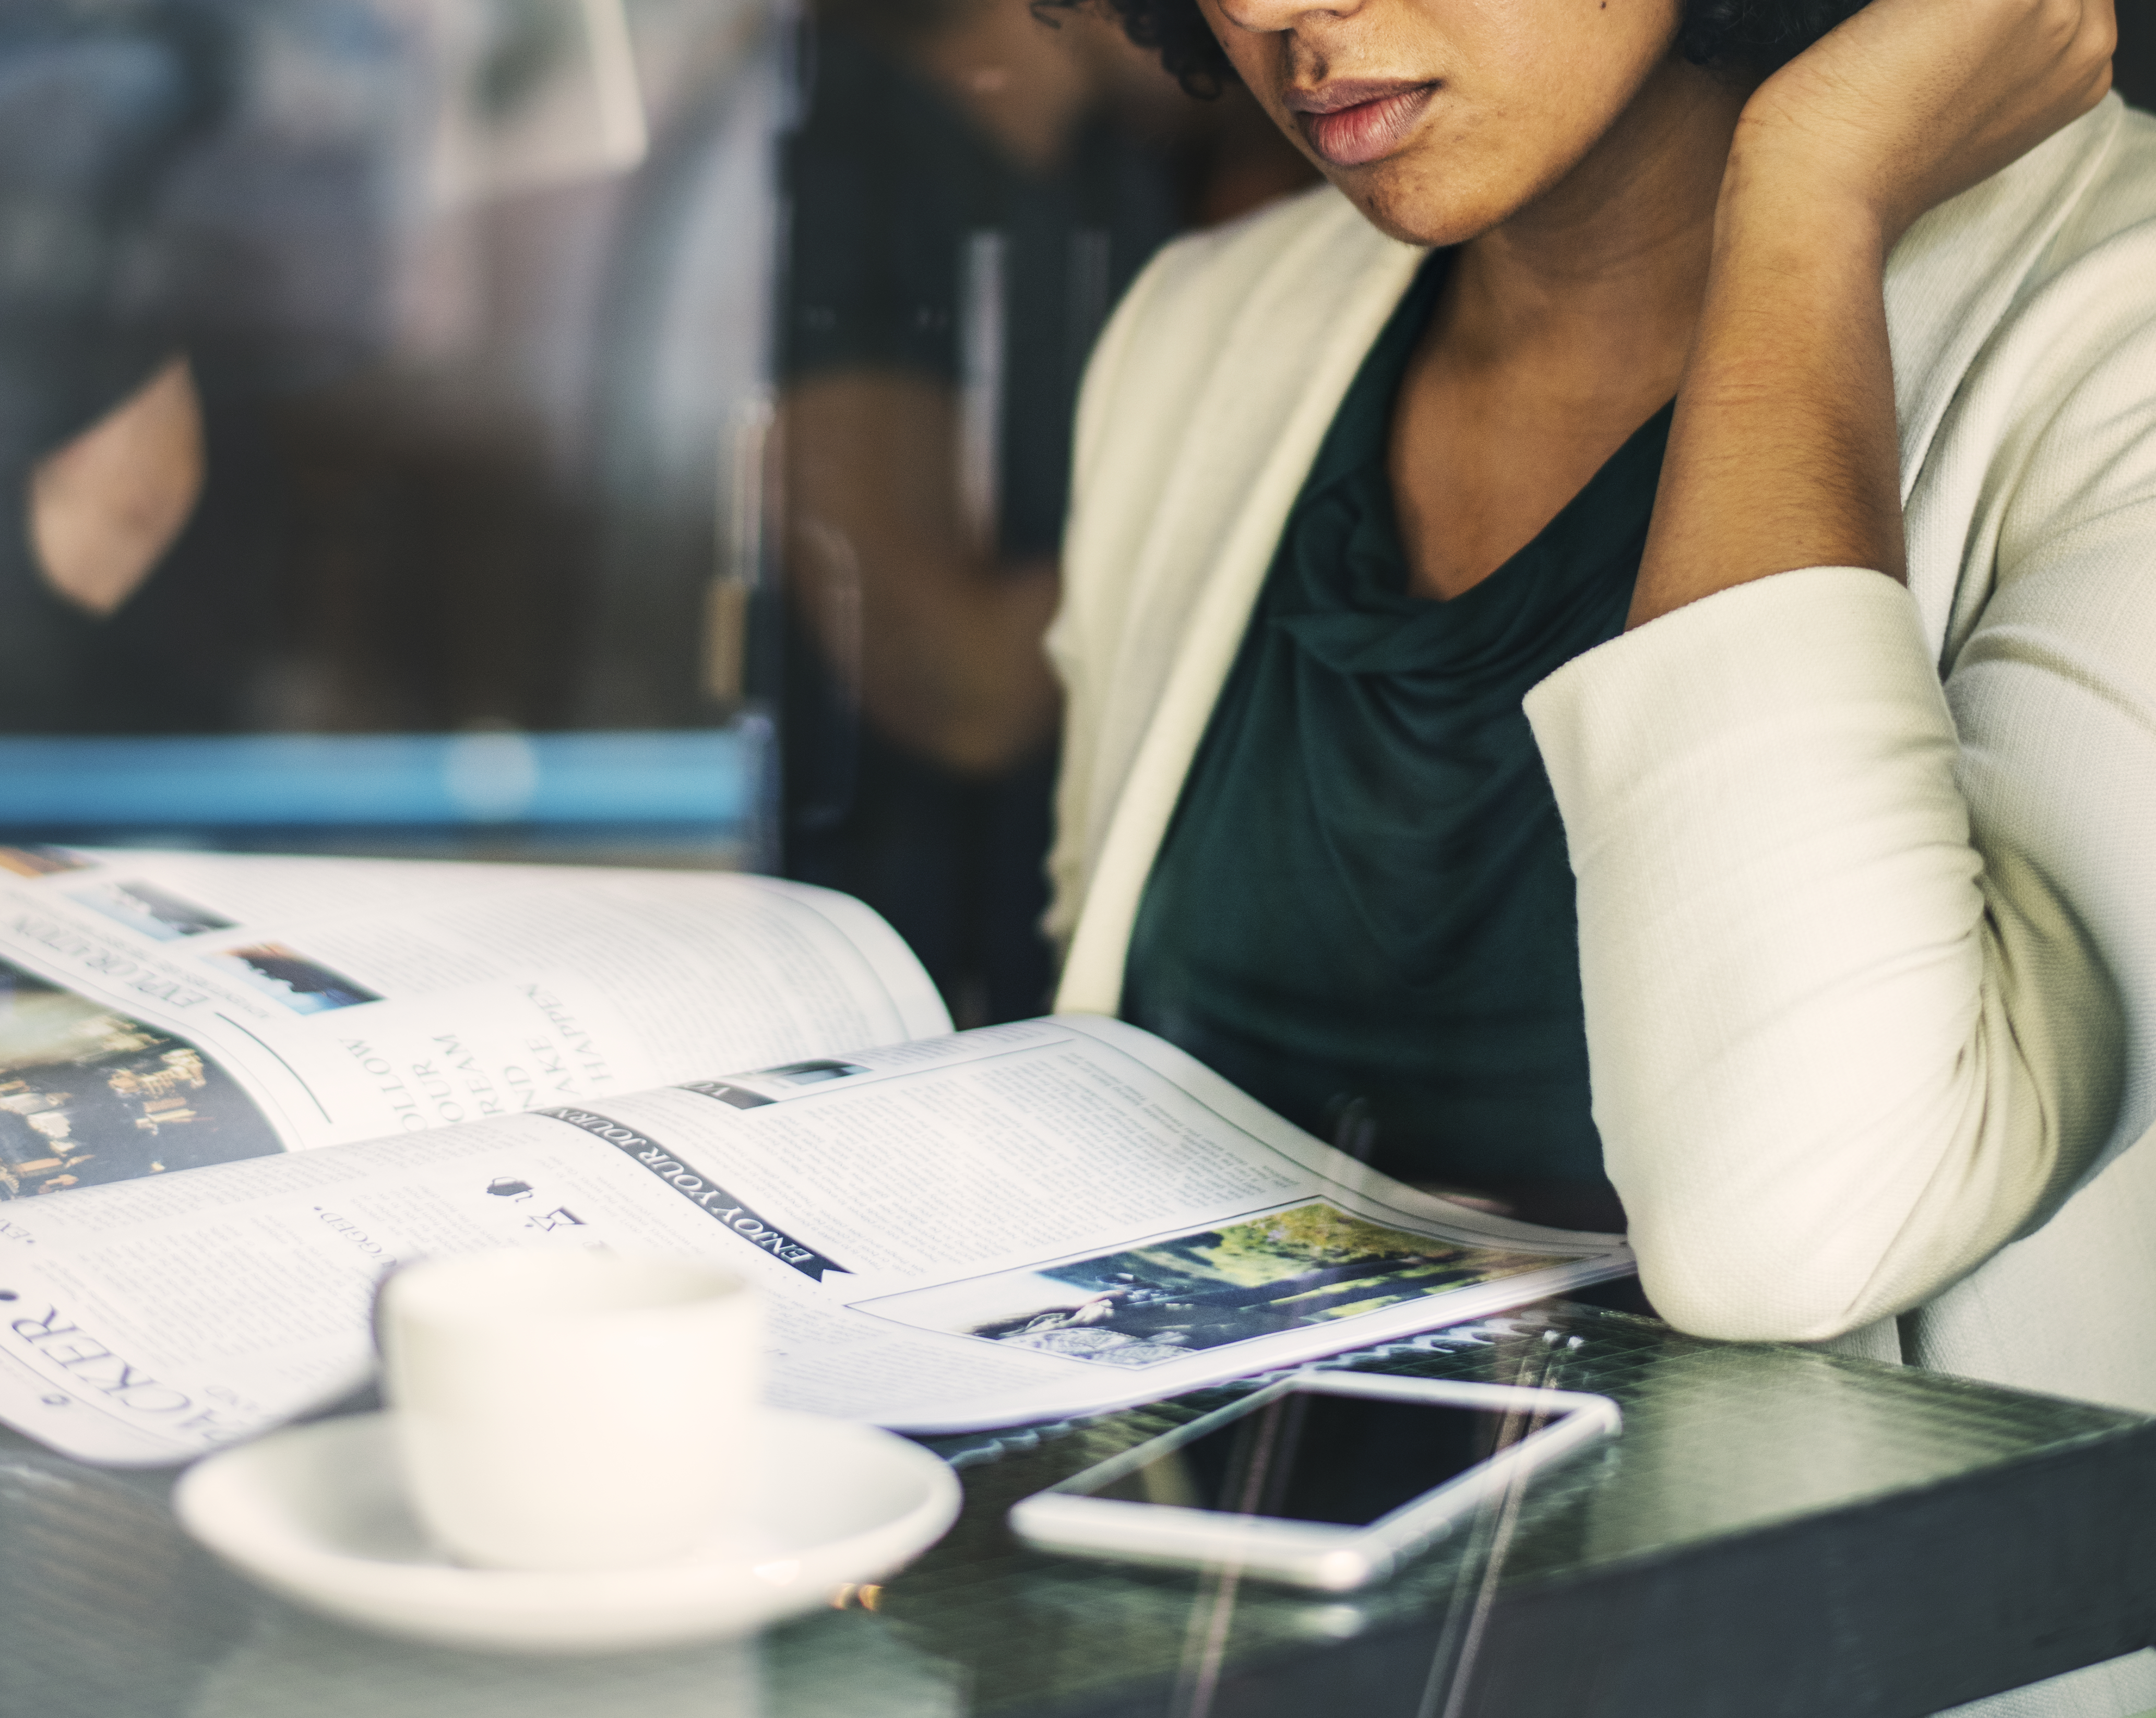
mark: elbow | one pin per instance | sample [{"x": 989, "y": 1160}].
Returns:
[
  {"x": 1797, "y": 1221},
  {"x": 1808, "y": 1222},
  {"x": 1789, "y": 1221},
  {"x": 1804, "y": 1232},
  {"x": 1743, "y": 1270},
  {"x": 1813, "y": 1248},
  {"x": 1703, "y": 1290}
]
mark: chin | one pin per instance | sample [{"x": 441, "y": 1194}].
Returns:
[{"x": 1418, "y": 202}]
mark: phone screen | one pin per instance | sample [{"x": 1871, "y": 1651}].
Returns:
[{"x": 1310, "y": 1455}]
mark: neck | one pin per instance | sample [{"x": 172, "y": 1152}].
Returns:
[{"x": 1599, "y": 278}]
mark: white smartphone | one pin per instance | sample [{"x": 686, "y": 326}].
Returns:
[{"x": 1326, "y": 1479}]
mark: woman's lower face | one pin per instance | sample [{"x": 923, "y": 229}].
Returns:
[{"x": 1442, "y": 119}]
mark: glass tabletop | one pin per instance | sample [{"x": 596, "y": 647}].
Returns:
[{"x": 108, "y": 1611}]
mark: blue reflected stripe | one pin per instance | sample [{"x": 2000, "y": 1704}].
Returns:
[{"x": 698, "y": 777}]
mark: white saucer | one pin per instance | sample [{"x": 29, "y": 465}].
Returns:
[{"x": 317, "y": 1514}]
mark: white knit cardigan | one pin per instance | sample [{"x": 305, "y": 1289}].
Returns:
[{"x": 1870, "y": 973}]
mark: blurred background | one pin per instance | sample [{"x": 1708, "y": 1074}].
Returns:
[
  {"x": 615, "y": 430},
  {"x": 612, "y": 430}
]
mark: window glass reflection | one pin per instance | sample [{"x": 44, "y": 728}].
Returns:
[
  {"x": 970, "y": 192},
  {"x": 466, "y": 368}
]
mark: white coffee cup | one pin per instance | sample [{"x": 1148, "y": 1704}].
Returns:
[{"x": 570, "y": 1410}]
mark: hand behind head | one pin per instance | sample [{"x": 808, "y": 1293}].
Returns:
[{"x": 1911, "y": 102}]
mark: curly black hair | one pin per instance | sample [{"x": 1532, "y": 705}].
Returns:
[{"x": 1753, "y": 36}]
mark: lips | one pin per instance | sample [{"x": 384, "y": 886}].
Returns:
[{"x": 1351, "y": 124}]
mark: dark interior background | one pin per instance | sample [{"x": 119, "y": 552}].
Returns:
[{"x": 2135, "y": 67}]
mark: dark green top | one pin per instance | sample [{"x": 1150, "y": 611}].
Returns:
[{"x": 1362, "y": 913}]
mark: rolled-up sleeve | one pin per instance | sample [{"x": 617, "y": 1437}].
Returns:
[{"x": 1842, "y": 1050}]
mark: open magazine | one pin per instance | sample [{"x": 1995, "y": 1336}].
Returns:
[{"x": 235, "y": 1091}]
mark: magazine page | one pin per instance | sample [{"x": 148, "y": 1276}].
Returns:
[
  {"x": 165, "y": 1011},
  {"x": 1058, "y": 1218}
]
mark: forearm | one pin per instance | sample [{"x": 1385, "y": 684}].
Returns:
[
  {"x": 1838, "y": 1057},
  {"x": 954, "y": 667},
  {"x": 1842, "y": 1051},
  {"x": 941, "y": 643},
  {"x": 944, "y": 655},
  {"x": 1782, "y": 451}
]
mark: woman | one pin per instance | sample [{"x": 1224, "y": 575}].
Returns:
[{"x": 1864, "y": 976}]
